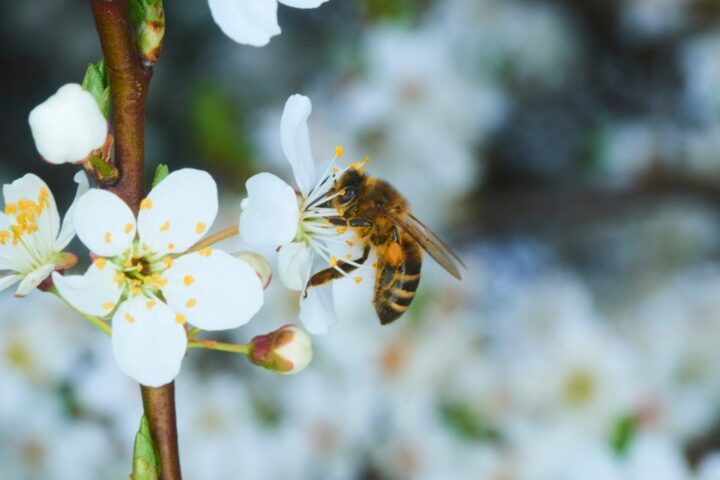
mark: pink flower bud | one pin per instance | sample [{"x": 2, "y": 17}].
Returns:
[{"x": 287, "y": 350}]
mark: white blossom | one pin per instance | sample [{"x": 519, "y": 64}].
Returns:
[
  {"x": 31, "y": 238},
  {"x": 252, "y": 22},
  {"x": 144, "y": 278},
  {"x": 274, "y": 215},
  {"x": 68, "y": 126}
]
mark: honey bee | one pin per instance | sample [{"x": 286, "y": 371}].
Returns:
[{"x": 381, "y": 219}]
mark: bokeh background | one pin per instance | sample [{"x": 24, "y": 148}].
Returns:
[{"x": 569, "y": 150}]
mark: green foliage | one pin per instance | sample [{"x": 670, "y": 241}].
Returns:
[
  {"x": 161, "y": 172},
  {"x": 219, "y": 133},
  {"x": 467, "y": 423},
  {"x": 96, "y": 82},
  {"x": 396, "y": 10},
  {"x": 146, "y": 464},
  {"x": 623, "y": 433}
]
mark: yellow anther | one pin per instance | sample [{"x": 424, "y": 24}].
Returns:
[
  {"x": 333, "y": 261},
  {"x": 200, "y": 227},
  {"x": 180, "y": 318},
  {"x": 135, "y": 290},
  {"x": 339, "y": 151},
  {"x": 145, "y": 247},
  {"x": 108, "y": 237},
  {"x": 136, "y": 282},
  {"x": 205, "y": 252},
  {"x": 150, "y": 304},
  {"x": 341, "y": 230},
  {"x": 191, "y": 303},
  {"x": 129, "y": 318},
  {"x": 128, "y": 263},
  {"x": 139, "y": 268},
  {"x": 136, "y": 255},
  {"x": 375, "y": 266},
  {"x": 165, "y": 226},
  {"x": 349, "y": 243},
  {"x": 119, "y": 278},
  {"x": 334, "y": 170},
  {"x": 128, "y": 228},
  {"x": 145, "y": 204},
  {"x": 168, "y": 261},
  {"x": 10, "y": 209},
  {"x": 108, "y": 305},
  {"x": 4, "y": 235},
  {"x": 188, "y": 280},
  {"x": 100, "y": 263},
  {"x": 366, "y": 160},
  {"x": 171, "y": 246},
  {"x": 348, "y": 256},
  {"x": 358, "y": 279},
  {"x": 341, "y": 212}
]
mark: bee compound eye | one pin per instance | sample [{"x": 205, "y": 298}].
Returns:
[{"x": 348, "y": 194}]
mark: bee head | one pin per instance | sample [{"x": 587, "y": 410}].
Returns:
[{"x": 347, "y": 188}]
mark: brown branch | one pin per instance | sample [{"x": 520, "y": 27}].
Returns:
[{"x": 129, "y": 80}]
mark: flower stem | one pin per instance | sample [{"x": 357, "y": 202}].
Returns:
[
  {"x": 129, "y": 81},
  {"x": 241, "y": 348},
  {"x": 215, "y": 237}
]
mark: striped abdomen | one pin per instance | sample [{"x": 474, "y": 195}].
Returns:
[{"x": 395, "y": 285}]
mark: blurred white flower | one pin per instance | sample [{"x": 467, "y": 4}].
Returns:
[
  {"x": 287, "y": 350},
  {"x": 252, "y": 22},
  {"x": 273, "y": 215},
  {"x": 149, "y": 285},
  {"x": 31, "y": 238},
  {"x": 68, "y": 126}
]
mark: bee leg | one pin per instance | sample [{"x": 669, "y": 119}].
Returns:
[{"x": 324, "y": 276}]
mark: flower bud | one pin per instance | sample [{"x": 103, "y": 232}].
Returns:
[
  {"x": 258, "y": 263},
  {"x": 287, "y": 350},
  {"x": 68, "y": 126}
]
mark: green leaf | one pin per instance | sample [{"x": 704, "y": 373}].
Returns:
[
  {"x": 623, "y": 433},
  {"x": 96, "y": 82},
  {"x": 161, "y": 172},
  {"x": 146, "y": 464}
]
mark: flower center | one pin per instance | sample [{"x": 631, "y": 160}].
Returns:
[
  {"x": 25, "y": 212},
  {"x": 140, "y": 272}
]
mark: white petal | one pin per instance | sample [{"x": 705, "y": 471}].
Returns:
[
  {"x": 29, "y": 188},
  {"x": 148, "y": 344},
  {"x": 13, "y": 256},
  {"x": 295, "y": 141},
  {"x": 250, "y": 22},
  {"x": 68, "y": 126},
  {"x": 214, "y": 290},
  {"x": 104, "y": 223},
  {"x": 317, "y": 310},
  {"x": 270, "y": 214},
  {"x": 67, "y": 232},
  {"x": 9, "y": 280},
  {"x": 178, "y": 212},
  {"x": 33, "y": 279},
  {"x": 95, "y": 293},
  {"x": 294, "y": 262},
  {"x": 303, "y": 3}
]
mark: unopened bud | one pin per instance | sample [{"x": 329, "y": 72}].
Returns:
[
  {"x": 287, "y": 350},
  {"x": 258, "y": 263}
]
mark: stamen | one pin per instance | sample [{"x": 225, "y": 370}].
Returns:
[
  {"x": 200, "y": 227},
  {"x": 129, "y": 318},
  {"x": 348, "y": 256},
  {"x": 358, "y": 279},
  {"x": 128, "y": 228},
  {"x": 205, "y": 252},
  {"x": 100, "y": 263},
  {"x": 135, "y": 290},
  {"x": 165, "y": 226},
  {"x": 168, "y": 261},
  {"x": 188, "y": 280},
  {"x": 145, "y": 204},
  {"x": 333, "y": 261},
  {"x": 108, "y": 305},
  {"x": 10, "y": 209},
  {"x": 171, "y": 246},
  {"x": 191, "y": 303},
  {"x": 150, "y": 304},
  {"x": 108, "y": 237},
  {"x": 180, "y": 318},
  {"x": 120, "y": 278},
  {"x": 339, "y": 151}
]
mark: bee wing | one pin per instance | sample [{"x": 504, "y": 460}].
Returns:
[{"x": 430, "y": 242}]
